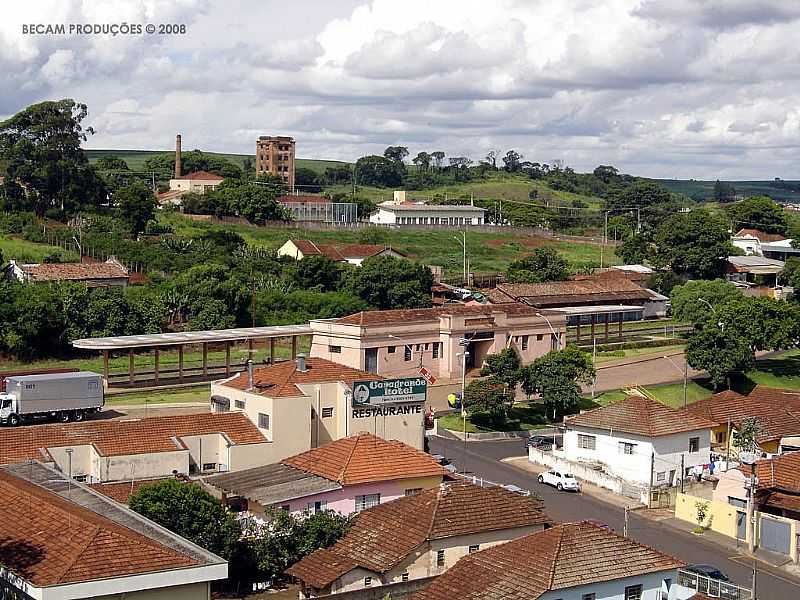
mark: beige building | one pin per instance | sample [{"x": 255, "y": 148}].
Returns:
[
  {"x": 111, "y": 273},
  {"x": 353, "y": 254},
  {"x": 275, "y": 154},
  {"x": 395, "y": 343},
  {"x": 102, "y": 451},
  {"x": 418, "y": 537},
  {"x": 199, "y": 182},
  {"x": 304, "y": 404},
  {"x": 65, "y": 542}
]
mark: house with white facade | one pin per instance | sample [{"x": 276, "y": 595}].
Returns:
[
  {"x": 755, "y": 242},
  {"x": 638, "y": 438},
  {"x": 571, "y": 561},
  {"x": 400, "y": 211}
]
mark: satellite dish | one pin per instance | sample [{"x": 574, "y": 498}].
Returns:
[{"x": 748, "y": 457}]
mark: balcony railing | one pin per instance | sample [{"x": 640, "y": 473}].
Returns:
[{"x": 713, "y": 588}]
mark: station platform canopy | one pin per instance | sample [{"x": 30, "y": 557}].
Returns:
[{"x": 129, "y": 342}]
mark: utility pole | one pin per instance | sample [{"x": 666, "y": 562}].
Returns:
[
  {"x": 751, "y": 542},
  {"x": 464, "y": 355},
  {"x": 652, "y": 469},
  {"x": 625, "y": 527},
  {"x": 683, "y": 470}
]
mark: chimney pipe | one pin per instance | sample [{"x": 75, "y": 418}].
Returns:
[
  {"x": 178, "y": 156},
  {"x": 250, "y": 378},
  {"x": 301, "y": 363}
]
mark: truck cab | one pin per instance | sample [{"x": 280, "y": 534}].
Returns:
[{"x": 8, "y": 410}]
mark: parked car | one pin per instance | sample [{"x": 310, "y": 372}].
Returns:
[
  {"x": 709, "y": 571},
  {"x": 539, "y": 442},
  {"x": 561, "y": 481}
]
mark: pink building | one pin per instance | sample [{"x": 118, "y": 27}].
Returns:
[
  {"x": 394, "y": 343},
  {"x": 347, "y": 476}
]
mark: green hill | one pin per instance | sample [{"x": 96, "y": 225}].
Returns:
[
  {"x": 777, "y": 189},
  {"x": 136, "y": 158}
]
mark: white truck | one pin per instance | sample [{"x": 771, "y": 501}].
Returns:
[{"x": 61, "y": 396}]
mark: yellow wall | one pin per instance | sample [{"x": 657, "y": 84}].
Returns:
[
  {"x": 190, "y": 591},
  {"x": 721, "y": 515}
]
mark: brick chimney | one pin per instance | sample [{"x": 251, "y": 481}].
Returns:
[{"x": 178, "y": 156}]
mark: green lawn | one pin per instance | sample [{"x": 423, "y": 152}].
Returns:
[
  {"x": 781, "y": 371},
  {"x": 487, "y": 251},
  {"x": 610, "y": 355},
  {"x": 31, "y": 252},
  {"x": 522, "y": 417},
  {"x": 194, "y": 394}
]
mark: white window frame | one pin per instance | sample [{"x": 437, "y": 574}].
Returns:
[
  {"x": 628, "y": 448},
  {"x": 587, "y": 442},
  {"x": 365, "y": 501}
]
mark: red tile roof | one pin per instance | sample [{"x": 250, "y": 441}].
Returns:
[
  {"x": 47, "y": 540},
  {"x": 118, "y": 438},
  {"x": 340, "y": 252},
  {"x": 777, "y": 410},
  {"x": 611, "y": 289},
  {"x": 383, "y": 536},
  {"x": 74, "y": 271},
  {"x": 780, "y": 472},
  {"x": 201, "y": 176},
  {"x": 760, "y": 235},
  {"x": 641, "y": 416},
  {"x": 281, "y": 379},
  {"x": 365, "y": 458},
  {"x": 416, "y": 315},
  {"x": 564, "y": 556},
  {"x": 121, "y": 491}
]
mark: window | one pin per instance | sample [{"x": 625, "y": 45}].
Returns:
[
  {"x": 720, "y": 437},
  {"x": 555, "y": 342},
  {"x": 94, "y": 386},
  {"x": 627, "y": 448},
  {"x": 391, "y": 349},
  {"x": 80, "y": 477},
  {"x": 407, "y": 354},
  {"x": 367, "y": 501},
  {"x": 327, "y": 412},
  {"x": 285, "y": 507},
  {"x": 427, "y": 346},
  {"x": 474, "y": 548},
  {"x": 440, "y": 558},
  {"x": 6, "y": 404},
  {"x": 661, "y": 476},
  {"x": 587, "y": 442},
  {"x": 633, "y": 592},
  {"x": 694, "y": 445},
  {"x": 263, "y": 421},
  {"x": 404, "y": 577},
  {"x": 539, "y": 337},
  {"x": 367, "y": 581},
  {"x": 335, "y": 349},
  {"x": 239, "y": 404},
  {"x": 419, "y": 347},
  {"x": 524, "y": 342},
  {"x": 412, "y": 491},
  {"x": 315, "y": 507},
  {"x": 590, "y": 596},
  {"x": 209, "y": 466},
  {"x": 436, "y": 349}
]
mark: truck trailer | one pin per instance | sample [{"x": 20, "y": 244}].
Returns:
[{"x": 61, "y": 396}]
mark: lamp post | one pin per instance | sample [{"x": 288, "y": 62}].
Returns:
[
  {"x": 464, "y": 356},
  {"x": 69, "y": 452},
  {"x": 749, "y": 458},
  {"x": 556, "y": 336},
  {"x": 685, "y": 372},
  {"x": 463, "y": 243},
  {"x": 409, "y": 346}
]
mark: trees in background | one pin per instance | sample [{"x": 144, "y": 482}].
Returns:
[
  {"x": 720, "y": 351},
  {"x": 689, "y": 300},
  {"x": 46, "y": 169},
  {"x": 543, "y": 264},
  {"x": 378, "y": 171},
  {"x": 695, "y": 243},
  {"x": 308, "y": 180},
  {"x": 111, "y": 163},
  {"x": 194, "y": 160},
  {"x": 635, "y": 250},
  {"x": 723, "y": 191},
  {"x": 758, "y": 212},
  {"x": 386, "y": 282},
  {"x": 557, "y": 376},
  {"x": 135, "y": 205}
]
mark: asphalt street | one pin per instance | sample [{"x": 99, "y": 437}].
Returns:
[{"x": 483, "y": 460}]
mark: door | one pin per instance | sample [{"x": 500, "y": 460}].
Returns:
[
  {"x": 371, "y": 360},
  {"x": 775, "y": 535},
  {"x": 741, "y": 525}
]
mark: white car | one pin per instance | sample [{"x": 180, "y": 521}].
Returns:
[{"x": 561, "y": 481}]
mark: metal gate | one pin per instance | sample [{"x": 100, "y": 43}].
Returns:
[
  {"x": 741, "y": 525},
  {"x": 775, "y": 535}
]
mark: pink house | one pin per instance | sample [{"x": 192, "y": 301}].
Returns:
[{"x": 346, "y": 476}]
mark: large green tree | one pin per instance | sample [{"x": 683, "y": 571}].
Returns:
[
  {"x": 694, "y": 243},
  {"x": 486, "y": 396},
  {"x": 689, "y": 300},
  {"x": 720, "y": 350},
  {"x": 557, "y": 376},
  {"x": 543, "y": 264},
  {"x": 635, "y": 250},
  {"x": 189, "y": 511},
  {"x": 378, "y": 171},
  {"x": 135, "y": 205},
  {"x": 45, "y": 165},
  {"x": 758, "y": 212},
  {"x": 194, "y": 160},
  {"x": 386, "y": 282},
  {"x": 111, "y": 163}
]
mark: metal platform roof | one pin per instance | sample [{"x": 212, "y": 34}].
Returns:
[{"x": 125, "y": 342}]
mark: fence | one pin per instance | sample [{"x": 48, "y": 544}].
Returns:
[
  {"x": 712, "y": 588},
  {"x": 590, "y": 474}
]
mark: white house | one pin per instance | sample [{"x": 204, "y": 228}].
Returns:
[
  {"x": 636, "y": 437},
  {"x": 198, "y": 182},
  {"x": 353, "y": 254},
  {"x": 399, "y": 211}
]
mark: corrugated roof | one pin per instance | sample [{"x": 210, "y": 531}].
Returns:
[
  {"x": 74, "y": 271},
  {"x": 383, "y": 536},
  {"x": 610, "y": 290},
  {"x": 564, "y": 556},
  {"x": 365, "y": 458},
  {"x": 416, "y": 315},
  {"x": 759, "y": 235},
  {"x": 640, "y": 416}
]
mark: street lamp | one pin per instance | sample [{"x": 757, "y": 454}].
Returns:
[
  {"x": 463, "y": 243},
  {"x": 464, "y": 356},
  {"x": 713, "y": 310},
  {"x": 556, "y": 336},
  {"x": 409, "y": 346},
  {"x": 685, "y": 371}
]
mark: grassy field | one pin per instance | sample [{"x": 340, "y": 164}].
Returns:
[
  {"x": 24, "y": 251},
  {"x": 198, "y": 393},
  {"x": 136, "y": 158},
  {"x": 491, "y": 251},
  {"x": 522, "y": 417},
  {"x": 699, "y": 189}
]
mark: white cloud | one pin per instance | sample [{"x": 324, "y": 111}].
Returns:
[{"x": 693, "y": 88}]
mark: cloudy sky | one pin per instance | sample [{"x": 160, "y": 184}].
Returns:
[{"x": 665, "y": 88}]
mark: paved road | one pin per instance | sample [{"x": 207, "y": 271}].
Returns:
[
  {"x": 648, "y": 372},
  {"x": 483, "y": 459}
]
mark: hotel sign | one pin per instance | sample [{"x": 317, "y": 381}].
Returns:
[{"x": 406, "y": 390}]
